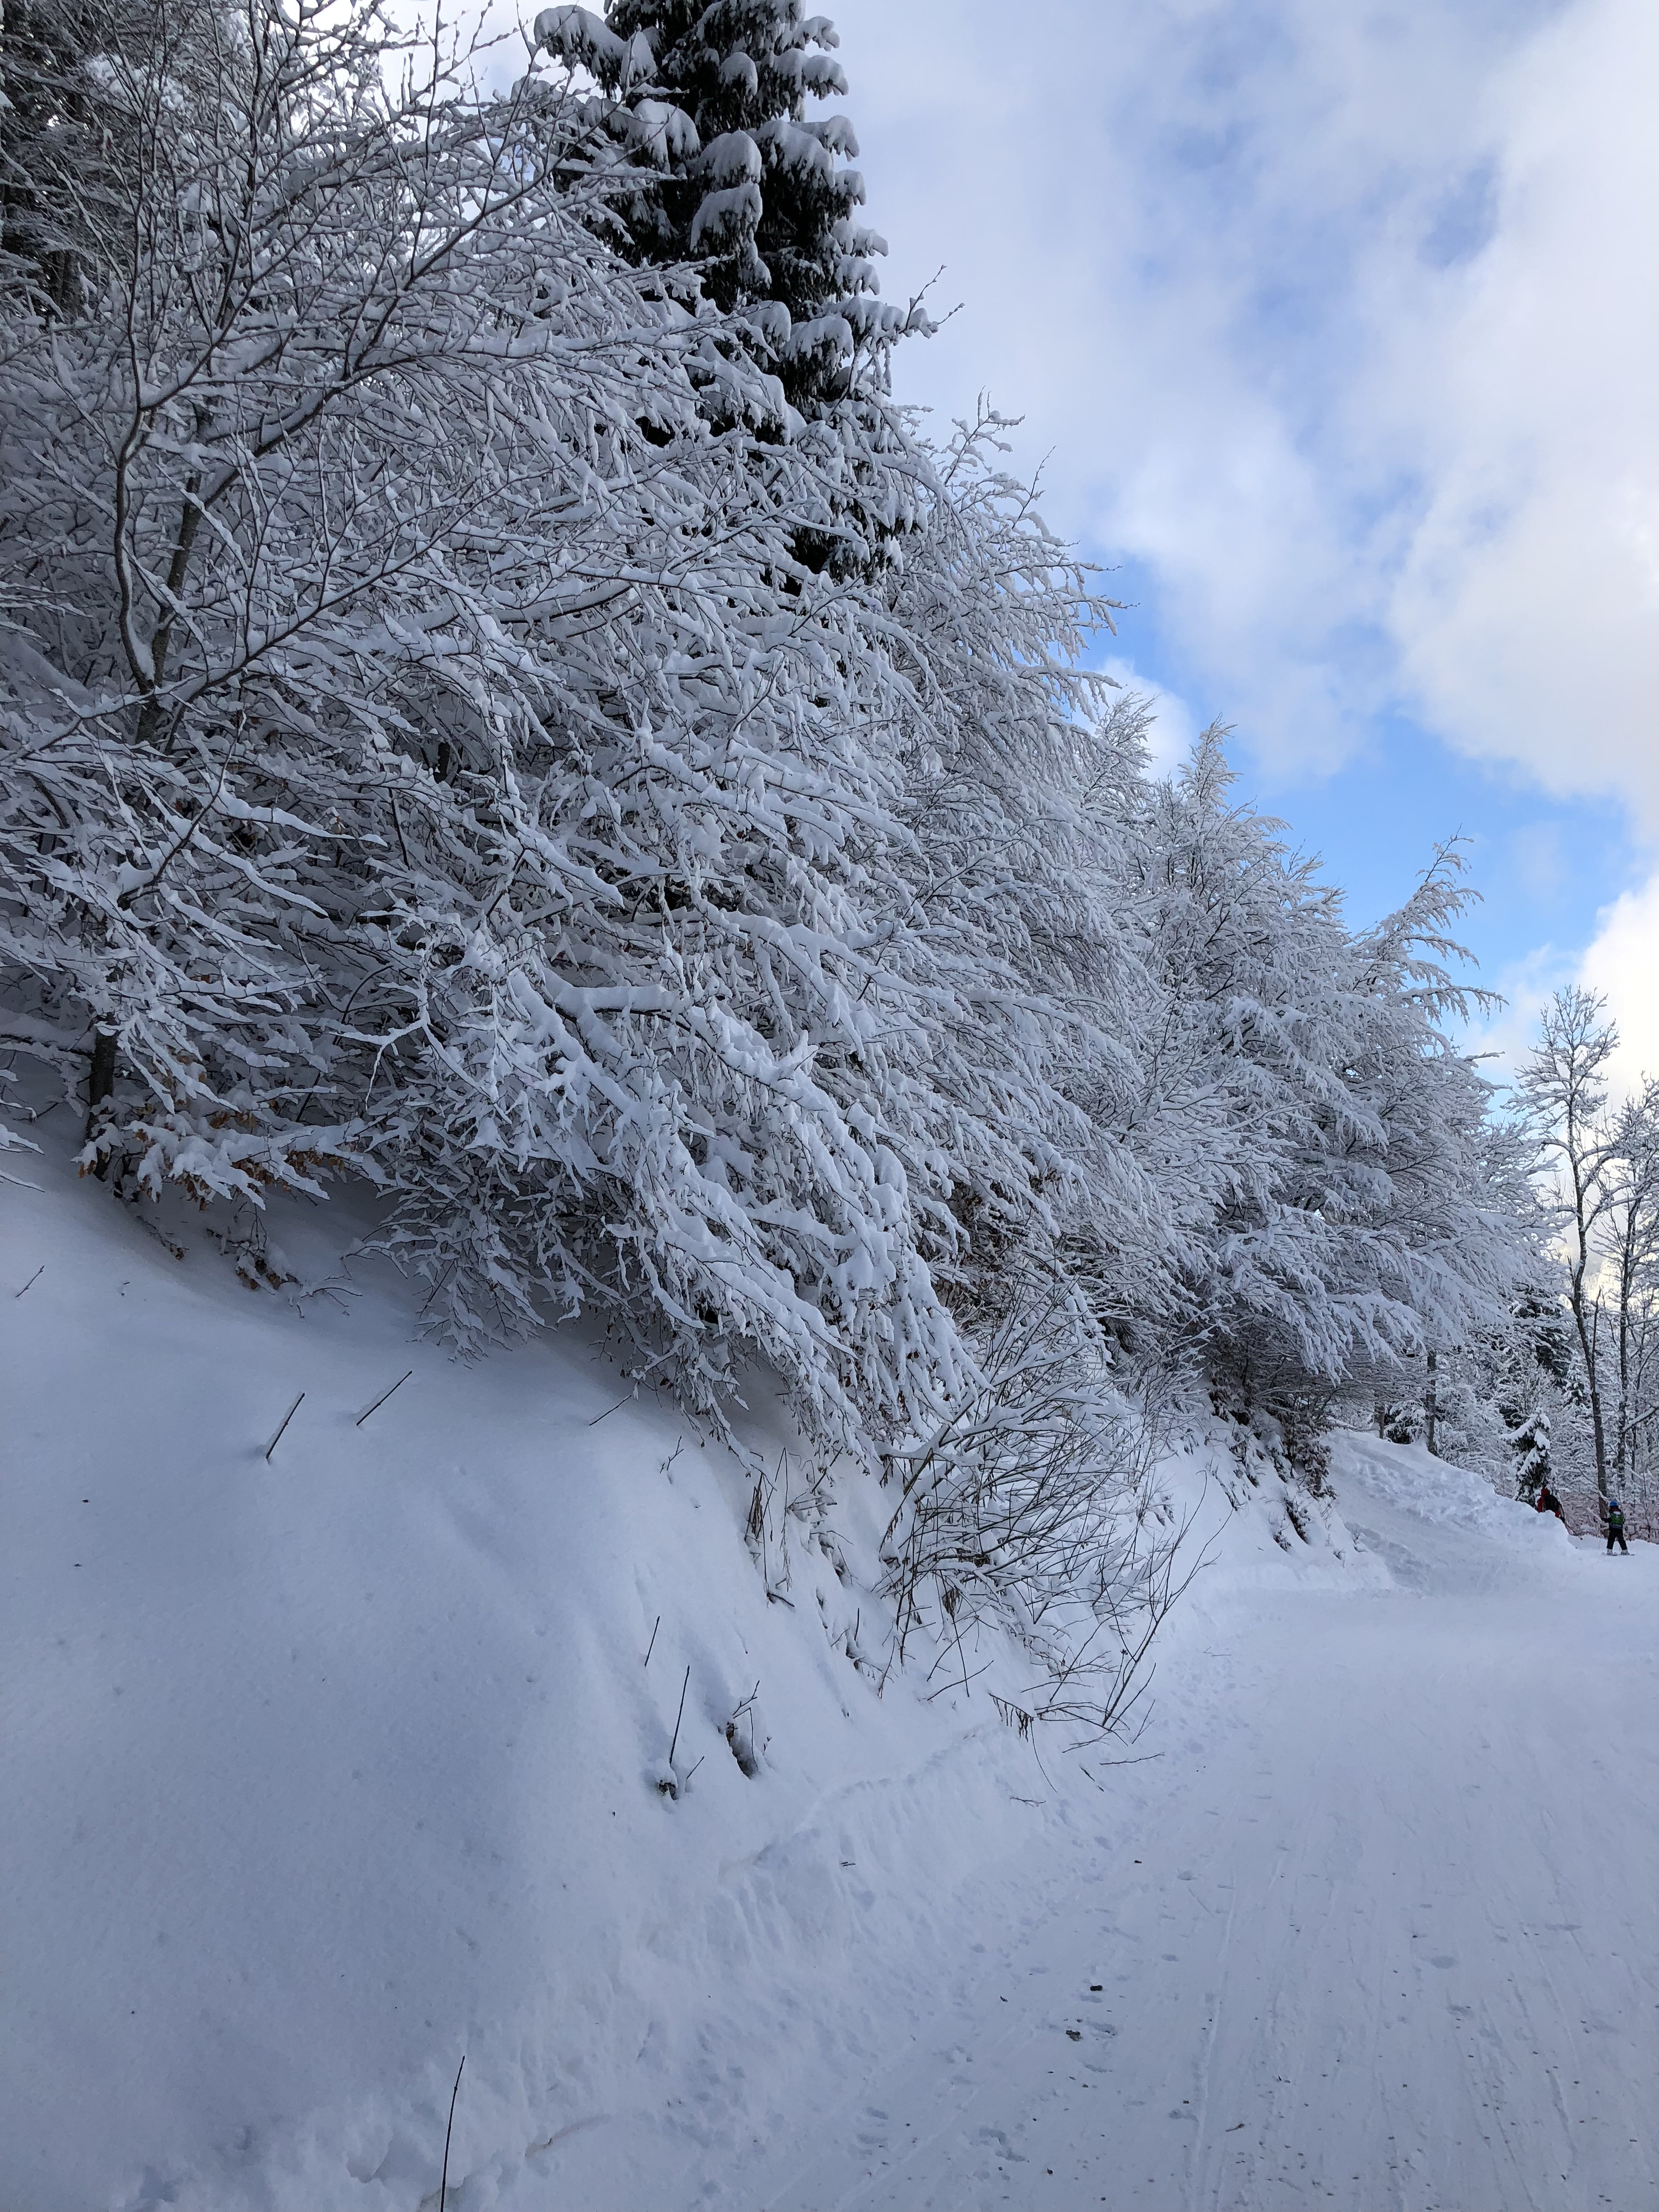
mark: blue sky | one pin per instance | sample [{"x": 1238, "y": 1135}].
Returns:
[
  {"x": 1544, "y": 865},
  {"x": 1335, "y": 329}
]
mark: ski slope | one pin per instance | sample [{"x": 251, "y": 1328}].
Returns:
[
  {"x": 325, "y": 1767},
  {"x": 1379, "y": 1930}
]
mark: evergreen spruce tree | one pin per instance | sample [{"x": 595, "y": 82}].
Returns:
[
  {"x": 1530, "y": 1443},
  {"x": 756, "y": 191},
  {"x": 1534, "y": 1370}
]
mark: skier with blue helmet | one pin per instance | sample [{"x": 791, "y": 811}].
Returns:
[{"x": 1616, "y": 1528}]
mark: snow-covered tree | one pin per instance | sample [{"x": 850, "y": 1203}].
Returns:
[
  {"x": 1529, "y": 1442},
  {"x": 497, "y": 700},
  {"x": 1327, "y": 1137},
  {"x": 426, "y": 753},
  {"x": 738, "y": 176},
  {"x": 1630, "y": 1262},
  {"x": 64, "y": 128},
  {"x": 733, "y": 189},
  {"x": 1564, "y": 1086}
]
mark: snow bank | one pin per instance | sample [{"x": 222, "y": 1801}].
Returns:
[
  {"x": 1427, "y": 1519},
  {"x": 330, "y": 1766}
]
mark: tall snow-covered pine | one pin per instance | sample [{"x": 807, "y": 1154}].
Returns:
[{"x": 758, "y": 191}]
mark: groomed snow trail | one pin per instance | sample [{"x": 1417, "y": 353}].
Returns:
[{"x": 1379, "y": 1932}]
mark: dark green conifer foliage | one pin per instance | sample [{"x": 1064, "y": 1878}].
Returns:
[
  {"x": 758, "y": 191},
  {"x": 1530, "y": 1443}
]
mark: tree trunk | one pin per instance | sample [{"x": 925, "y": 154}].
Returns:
[
  {"x": 1627, "y": 1275},
  {"x": 1430, "y": 1405},
  {"x": 1584, "y": 1214},
  {"x": 100, "y": 1086},
  {"x": 1587, "y": 1347}
]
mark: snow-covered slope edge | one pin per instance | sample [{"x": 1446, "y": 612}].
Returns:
[
  {"x": 327, "y": 1768},
  {"x": 1396, "y": 1497}
]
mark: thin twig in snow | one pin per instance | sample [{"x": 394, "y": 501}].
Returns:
[
  {"x": 381, "y": 1400},
  {"x": 680, "y": 1715},
  {"x": 287, "y": 1418},
  {"x": 443, "y": 2184},
  {"x": 961, "y": 1656},
  {"x": 961, "y": 1685}
]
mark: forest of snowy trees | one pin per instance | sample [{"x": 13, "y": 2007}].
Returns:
[{"x": 502, "y": 704}]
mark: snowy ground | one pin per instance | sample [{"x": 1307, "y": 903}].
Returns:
[
  {"x": 327, "y": 1768},
  {"x": 1379, "y": 1930}
]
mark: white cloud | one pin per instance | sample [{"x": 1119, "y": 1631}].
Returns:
[
  {"x": 1622, "y": 963},
  {"x": 1341, "y": 321},
  {"x": 1525, "y": 987},
  {"x": 1526, "y": 608}
]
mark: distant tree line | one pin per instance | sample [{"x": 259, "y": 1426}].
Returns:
[{"x": 1567, "y": 1391}]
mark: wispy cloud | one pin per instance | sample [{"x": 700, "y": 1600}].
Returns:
[
  {"x": 1622, "y": 963},
  {"x": 1505, "y": 1035},
  {"x": 1340, "y": 322},
  {"x": 1526, "y": 608}
]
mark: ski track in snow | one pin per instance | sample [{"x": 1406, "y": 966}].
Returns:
[
  {"x": 1391, "y": 1942},
  {"x": 326, "y": 1766}
]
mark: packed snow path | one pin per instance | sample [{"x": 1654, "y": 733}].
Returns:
[{"x": 1381, "y": 1931}]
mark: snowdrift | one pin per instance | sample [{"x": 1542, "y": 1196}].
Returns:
[{"x": 331, "y": 1762}]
